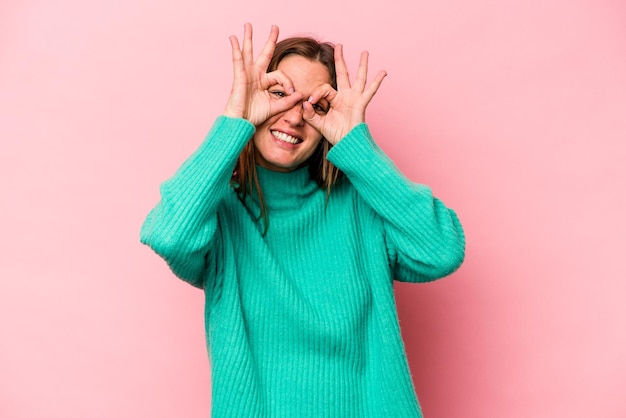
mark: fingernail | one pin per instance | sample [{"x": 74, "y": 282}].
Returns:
[
  {"x": 292, "y": 90},
  {"x": 310, "y": 99}
]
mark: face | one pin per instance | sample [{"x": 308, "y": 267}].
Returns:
[{"x": 285, "y": 141}]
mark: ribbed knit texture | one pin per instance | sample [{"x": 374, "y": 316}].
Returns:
[{"x": 301, "y": 321}]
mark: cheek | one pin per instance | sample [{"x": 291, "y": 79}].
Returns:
[
  {"x": 262, "y": 130},
  {"x": 314, "y": 135},
  {"x": 268, "y": 122},
  {"x": 314, "y": 145}
]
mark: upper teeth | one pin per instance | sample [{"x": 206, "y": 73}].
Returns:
[{"x": 285, "y": 137}]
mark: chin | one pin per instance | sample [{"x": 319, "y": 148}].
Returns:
[
  {"x": 278, "y": 165},
  {"x": 273, "y": 154}
]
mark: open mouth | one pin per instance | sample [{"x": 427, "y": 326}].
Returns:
[{"x": 286, "y": 137}]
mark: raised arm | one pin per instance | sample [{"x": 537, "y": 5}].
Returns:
[
  {"x": 424, "y": 238},
  {"x": 182, "y": 227}
]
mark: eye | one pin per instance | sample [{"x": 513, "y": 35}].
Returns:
[
  {"x": 278, "y": 94},
  {"x": 320, "y": 109}
]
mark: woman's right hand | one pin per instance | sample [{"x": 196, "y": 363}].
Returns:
[{"x": 249, "y": 97}]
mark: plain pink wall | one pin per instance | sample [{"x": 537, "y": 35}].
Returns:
[{"x": 514, "y": 112}]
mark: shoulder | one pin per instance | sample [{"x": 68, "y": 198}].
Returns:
[{"x": 345, "y": 197}]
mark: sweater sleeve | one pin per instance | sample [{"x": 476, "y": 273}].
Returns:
[
  {"x": 425, "y": 240},
  {"x": 181, "y": 228}
]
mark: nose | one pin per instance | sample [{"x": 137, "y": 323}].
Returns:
[{"x": 294, "y": 115}]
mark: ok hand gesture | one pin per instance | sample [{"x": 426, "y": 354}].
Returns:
[
  {"x": 347, "y": 103},
  {"x": 249, "y": 97}
]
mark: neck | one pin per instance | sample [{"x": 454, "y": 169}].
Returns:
[{"x": 285, "y": 190}]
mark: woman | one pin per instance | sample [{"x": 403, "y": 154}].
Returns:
[{"x": 295, "y": 224}]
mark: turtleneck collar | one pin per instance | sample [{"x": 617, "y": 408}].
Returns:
[{"x": 286, "y": 190}]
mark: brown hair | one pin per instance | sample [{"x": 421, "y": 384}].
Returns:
[{"x": 245, "y": 177}]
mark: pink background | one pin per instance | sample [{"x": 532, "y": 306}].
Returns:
[{"x": 514, "y": 112}]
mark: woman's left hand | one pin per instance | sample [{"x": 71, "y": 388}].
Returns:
[{"x": 347, "y": 103}]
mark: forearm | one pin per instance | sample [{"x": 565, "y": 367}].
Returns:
[
  {"x": 181, "y": 227},
  {"x": 423, "y": 235}
]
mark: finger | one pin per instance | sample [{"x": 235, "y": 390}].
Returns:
[
  {"x": 312, "y": 118},
  {"x": 374, "y": 85},
  {"x": 286, "y": 103},
  {"x": 236, "y": 54},
  {"x": 343, "y": 79},
  {"x": 277, "y": 77},
  {"x": 324, "y": 95},
  {"x": 361, "y": 74},
  {"x": 268, "y": 50},
  {"x": 290, "y": 100},
  {"x": 248, "y": 57}
]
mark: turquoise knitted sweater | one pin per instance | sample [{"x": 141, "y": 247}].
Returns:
[{"x": 301, "y": 321}]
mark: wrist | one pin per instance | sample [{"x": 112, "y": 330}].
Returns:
[{"x": 232, "y": 113}]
